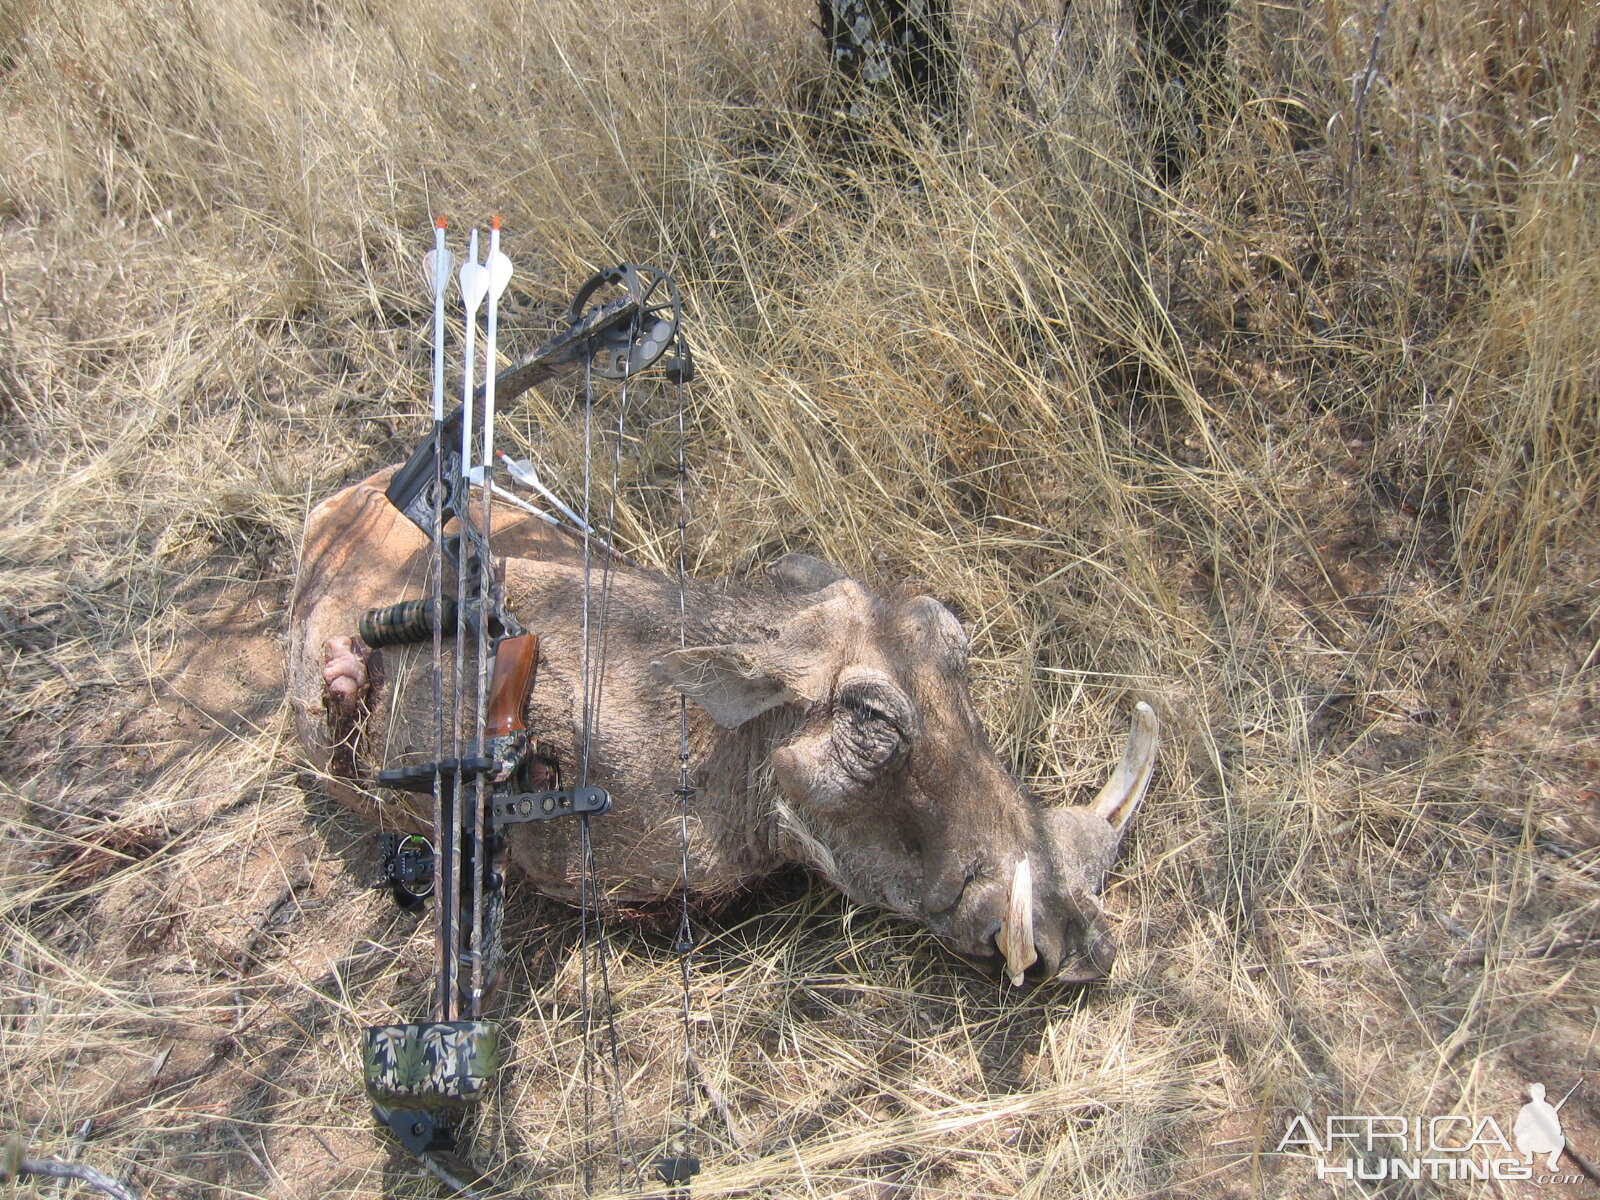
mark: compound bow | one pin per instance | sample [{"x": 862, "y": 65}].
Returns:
[{"x": 420, "y": 1076}]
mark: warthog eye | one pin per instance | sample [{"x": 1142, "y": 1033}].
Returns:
[{"x": 869, "y": 729}]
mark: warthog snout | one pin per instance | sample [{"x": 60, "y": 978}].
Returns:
[
  {"x": 1028, "y": 928},
  {"x": 1041, "y": 919}
]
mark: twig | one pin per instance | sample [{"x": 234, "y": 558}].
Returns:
[
  {"x": 263, "y": 928},
  {"x": 20, "y": 634},
  {"x": 718, "y": 1102},
  {"x": 54, "y": 1168},
  {"x": 1476, "y": 957},
  {"x": 1030, "y": 102},
  {"x": 79, "y": 1140},
  {"x": 1584, "y": 1165},
  {"x": 1367, "y": 77}
]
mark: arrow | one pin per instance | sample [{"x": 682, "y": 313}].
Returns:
[
  {"x": 517, "y": 501},
  {"x": 522, "y": 471},
  {"x": 1572, "y": 1089},
  {"x": 498, "y": 273},
  {"x": 436, "y": 267},
  {"x": 474, "y": 283}
]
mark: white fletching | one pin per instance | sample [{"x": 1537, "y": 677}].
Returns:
[
  {"x": 437, "y": 265},
  {"x": 474, "y": 280},
  {"x": 522, "y": 471},
  {"x": 497, "y": 273},
  {"x": 500, "y": 271}
]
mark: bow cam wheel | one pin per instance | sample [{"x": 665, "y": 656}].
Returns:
[{"x": 637, "y": 344}]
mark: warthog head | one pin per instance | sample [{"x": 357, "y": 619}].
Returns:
[{"x": 885, "y": 781}]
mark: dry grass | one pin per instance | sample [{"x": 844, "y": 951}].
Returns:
[{"x": 1302, "y": 449}]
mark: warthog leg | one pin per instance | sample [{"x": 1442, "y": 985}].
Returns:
[
  {"x": 347, "y": 683},
  {"x": 344, "y": 671}
]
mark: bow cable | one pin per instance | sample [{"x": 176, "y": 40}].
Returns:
[
  {"x": 596, "y": 943},
  {"x": 679, "y": 1170},
  {"x": 588, "y": 906},
  {"x": 604, "y": 946}
]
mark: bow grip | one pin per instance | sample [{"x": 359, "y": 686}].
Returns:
[{"x": 516, "y": 660}]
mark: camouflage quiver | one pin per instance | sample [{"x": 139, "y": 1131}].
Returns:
[{"x": 439, "y": 1064}]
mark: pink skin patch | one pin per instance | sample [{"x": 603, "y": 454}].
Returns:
[
  {"x": 348, "y": 677},
  {"x": 344, "y": 669}
]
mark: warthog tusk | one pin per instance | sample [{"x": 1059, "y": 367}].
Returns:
[
  {"x": 1016, "y": 935},
  {"x": 1119, "y": 799}
]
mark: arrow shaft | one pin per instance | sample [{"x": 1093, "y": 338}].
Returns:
[
  {"x": 489, "y": 355},
  {"x": 448, "y": 893},
  {"x": 441, "y": 282},
  {"x": 471, "y": 297},
  {"x": 441, "y": 933},
  {"x": 530, "y": 477},
  {"x": 470, "y": 354}
]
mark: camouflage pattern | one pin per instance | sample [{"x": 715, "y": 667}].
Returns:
[
  {"x": 494, "y": 917},
  {"x": 443, "y": 1064},
  {"x": 885, "y": 46}
]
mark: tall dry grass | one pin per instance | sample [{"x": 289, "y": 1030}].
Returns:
[{"x": 1300, "y": 448}]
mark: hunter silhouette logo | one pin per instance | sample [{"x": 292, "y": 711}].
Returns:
[
  {"x": 1454, "y": 1146},
  {"x": 1538, "y": 1127}
]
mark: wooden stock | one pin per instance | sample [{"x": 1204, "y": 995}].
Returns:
[{"x": 516, "y": 659}]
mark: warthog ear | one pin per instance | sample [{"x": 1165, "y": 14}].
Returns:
[
  {"x": 939, "y": 627},
  {"x": 729, "y": 682},
  {"x": 742, "y": 680},
  {"x": 803, "y": 573}
]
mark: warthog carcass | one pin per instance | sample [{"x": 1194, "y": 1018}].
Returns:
[{"x": 831, "y": 726}]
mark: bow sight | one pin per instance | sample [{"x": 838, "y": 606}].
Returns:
[{"x": 420, "y": 1074}]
